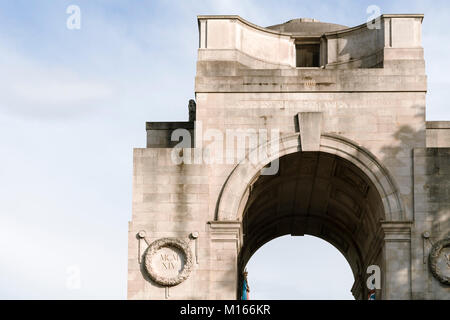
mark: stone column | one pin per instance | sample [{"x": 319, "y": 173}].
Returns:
[
  {"x": 396, "y": 271},
  {"x": 225, "y": 243}
]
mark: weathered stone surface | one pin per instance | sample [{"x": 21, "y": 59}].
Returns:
[
  {"x": 438, "y": 134},
  {"x": 354, "y": 161},
  {"x": 310, "y": 126}
]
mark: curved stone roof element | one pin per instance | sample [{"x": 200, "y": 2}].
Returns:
[{"x": 306, "y": 27}]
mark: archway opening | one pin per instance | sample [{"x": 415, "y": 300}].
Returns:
[
  {"x": 322, "y": 195},
  {"x": 299, "y": 268}
]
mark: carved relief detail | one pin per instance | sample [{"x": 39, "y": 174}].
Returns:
[
  {"x": 440, "y": 261},
  {"x": 168, "y": 261}
]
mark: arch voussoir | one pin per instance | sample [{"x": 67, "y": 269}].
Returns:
[{"x": 245, "y": 172}]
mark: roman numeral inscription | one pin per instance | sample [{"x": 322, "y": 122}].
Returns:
[{"x": 169, "y": 260}]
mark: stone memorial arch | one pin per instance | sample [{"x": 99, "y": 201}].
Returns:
[{"x": 299, "y": 128}]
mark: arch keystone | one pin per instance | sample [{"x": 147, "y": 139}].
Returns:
[{"x": 310, "y": 127}]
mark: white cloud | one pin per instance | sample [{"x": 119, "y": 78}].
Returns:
[
  {"x": 29, "y": 88},
  {"x": 53, "y": 90}
]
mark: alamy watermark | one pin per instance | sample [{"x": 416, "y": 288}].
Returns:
[
  {"x": 73, "y": 279},
  {"x": 374, "y": 280},
  {"x": 374, "y": 20},
  {"x": 73, "y": 22},
  {"x": 229, "y": 146}
]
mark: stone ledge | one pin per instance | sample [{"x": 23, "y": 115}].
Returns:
[
  {"x": 438, "y": 124},
  {"x": 169, "y": 125}
]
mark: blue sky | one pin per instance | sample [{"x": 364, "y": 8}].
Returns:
[{"x": 73, "y": 104}]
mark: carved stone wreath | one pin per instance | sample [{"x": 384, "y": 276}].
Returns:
[
  {"x": 434, "y": 256},
  {"x": 181, "y": 245}
]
